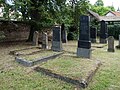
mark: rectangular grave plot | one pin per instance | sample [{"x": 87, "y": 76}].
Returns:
[
  {"x": 36, "y": 56},
  {"x": 25, "y": 51},
  {"x": 29, "y": 51},
  {"x": 30, "y": 60},
  {"x": 70, "y": 69}
]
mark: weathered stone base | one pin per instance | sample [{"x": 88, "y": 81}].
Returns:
[
  {"x": 82, "y": 52},
  {"x": 56, "y": 46},
  {"x": 32, "y": 63},
  {"x": 103, "y": 40},
  {"x": 111, "y": 50},
  {"x": 93, "y": 40}
]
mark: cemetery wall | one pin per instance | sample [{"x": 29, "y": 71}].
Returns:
[
  {"x": 10, "y": 31},
  {"x": 17, "y": 31}
]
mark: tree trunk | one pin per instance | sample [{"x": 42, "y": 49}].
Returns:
[
  {"x": 30, "y": 38},
  {"x": 35, "y": 18}
]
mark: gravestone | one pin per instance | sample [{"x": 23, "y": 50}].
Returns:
[
  {"x": 35, "y": 38},
  {"x": 111, "y": 44},
  {"x": 63, "y": 34},
  {"x": 56, "y": 40},
  {"x": 84, "y": 43},
  {"x": 103, "y": 32},
  {"x": 119, "y": 40},
  {"x": 44, "y": 41},
  {"x": 93, "y": 34}
]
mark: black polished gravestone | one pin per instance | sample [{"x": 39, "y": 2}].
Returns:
[
  {"x": 84, "y": 43},
  {"x": 56, "y": 40},
  {"x": 103, "y": 32},
  {"x": 93, "y": 34}
]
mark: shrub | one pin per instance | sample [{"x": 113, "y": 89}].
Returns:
[{"x": 114, "y": 30}]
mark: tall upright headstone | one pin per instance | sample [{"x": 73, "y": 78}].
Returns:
[
  {"x": 103, "y": 32},
  {"x": 63, "y": 33},
  {"x": 44, "y": 41},
  {"x": 111, "y": 44},
  {"x": 84, "y": 43},
  {"x": 35, "y": 38},
  {"x": 93, "y": 34},
  {"x": 56, "y": 40}
]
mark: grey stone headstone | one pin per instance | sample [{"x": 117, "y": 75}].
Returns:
[
  {"x": 93, "y": 34},
  {"x": 56, "y": 41},
  {"x": 84, "y": 43},
  {"x": 44, "y": 41},
  {"x": 111, "y": 44},
  {"x": 103, "y": 32},
  {"x": 35, "y": 38}
]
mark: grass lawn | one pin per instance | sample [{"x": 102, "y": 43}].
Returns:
[
  {"x": 70, "y": 66},
  {"x": 14, "y": 76}
]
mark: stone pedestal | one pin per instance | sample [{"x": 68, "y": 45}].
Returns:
[
  {"x": 84, "y": 43},
  {"x": 56, "y": 41},
  {"x": 44, "y": 41},
  {"x": 103, "y": 32},
  {"x": 35, "y": 38},
  {"x": 82, "y": 52},
  {"x": 111, "y": 44}
]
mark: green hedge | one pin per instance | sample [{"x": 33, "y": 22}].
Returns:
[{"x": 114, "y": 30}]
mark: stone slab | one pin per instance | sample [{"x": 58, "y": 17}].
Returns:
[
  {"x": 32, "y": 63},
  {"x": 82, "y": 52}
]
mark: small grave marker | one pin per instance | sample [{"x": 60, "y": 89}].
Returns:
[
  {"x": 35, "y": 38},
  {"x": 111, "y": 44},
  {"x": 44, "y": 41}
]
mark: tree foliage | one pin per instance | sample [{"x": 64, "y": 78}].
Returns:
[
  {"x": 99, "y": 3},
  {"x": 99, "y": 8}
]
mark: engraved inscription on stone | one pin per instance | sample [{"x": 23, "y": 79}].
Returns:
[{"x": 84, "y": 28}]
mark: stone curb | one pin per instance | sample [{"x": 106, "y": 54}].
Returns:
[
  {"x": 14, "y": 51},
  {"x": 90, "y": 75},
  {"x": 36, "y": 61}
]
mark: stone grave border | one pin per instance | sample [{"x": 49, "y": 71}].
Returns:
[
  {"x": 102, "y": 46},
  {"x": 82, "y": 83},
  {"x": 14, "y": 52},
  {"x": 36, "y": 61}
]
